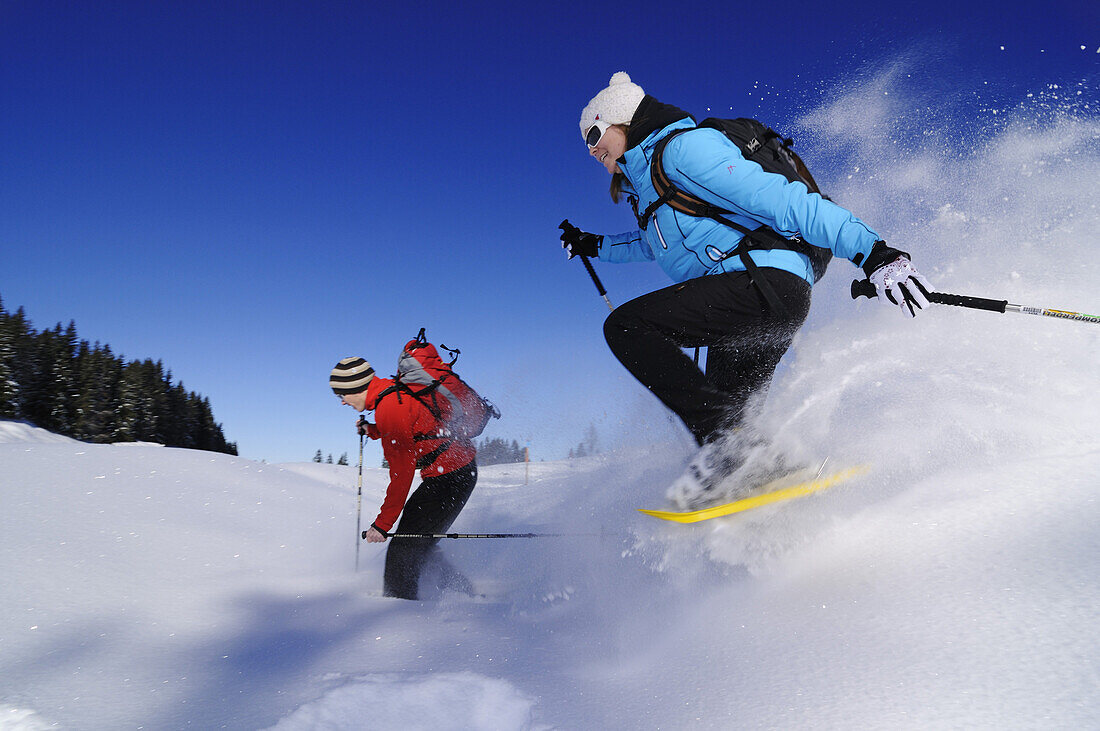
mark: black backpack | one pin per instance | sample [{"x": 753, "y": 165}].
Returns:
[{"x": 773, "y": 153}]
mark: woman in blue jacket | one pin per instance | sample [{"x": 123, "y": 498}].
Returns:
[{"x": 746, "y": 319}]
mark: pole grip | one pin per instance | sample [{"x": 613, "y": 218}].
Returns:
[
  {"x": 568, "y": 228},
  {"x": 863, "y": 288},
  {"x": 975, "y": 303}
]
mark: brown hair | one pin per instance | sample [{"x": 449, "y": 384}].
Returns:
[{"x": 618, "y": 180}]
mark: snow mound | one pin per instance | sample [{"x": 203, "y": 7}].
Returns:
[
  {"x": 16, "y": 432},
  {"x": 462, "y": 701},
  {"x": 19, "y": 719}
]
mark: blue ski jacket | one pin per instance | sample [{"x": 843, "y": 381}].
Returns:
[{"x": 705, "y": 163}]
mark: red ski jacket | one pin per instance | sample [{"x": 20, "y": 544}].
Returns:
[{"x": 411, "y": 439}]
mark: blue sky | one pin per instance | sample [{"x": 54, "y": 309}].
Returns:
[{"x": 251, "y": 191}]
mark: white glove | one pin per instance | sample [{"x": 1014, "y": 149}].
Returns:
[{"x": 899, "y": 283}]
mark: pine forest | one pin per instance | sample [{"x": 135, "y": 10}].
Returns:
[{"x": 58, "y": 382}]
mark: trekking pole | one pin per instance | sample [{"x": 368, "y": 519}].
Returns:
[
  {"x": 359, "y": 499},
  {"x": 864, "y": 288},
  {"x": 566, "y": 226},
  {"x": 483, "y": 535}
]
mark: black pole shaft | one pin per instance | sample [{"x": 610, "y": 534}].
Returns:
[
  {"x": 481, "y": 535},
  {"x": 595, "y": 278},
  {"x": 597, "y": 282},
  {"x": 359, "y": 499}
]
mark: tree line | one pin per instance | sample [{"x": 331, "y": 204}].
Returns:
[
  {"x": 489, "y": 451},
  {"x": 498, "y": 451},
  {"x": 319, "y": 458},
  {"x": 63, "y": 384}
]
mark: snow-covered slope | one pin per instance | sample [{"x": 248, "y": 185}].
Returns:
[
  {"x": 953, "y": 586},
  {"x": 165, "y": 588}
]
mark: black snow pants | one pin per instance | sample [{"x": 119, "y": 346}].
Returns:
[
  {"x": 432, "y": 508},
  {"x": 724, "y": 312}
]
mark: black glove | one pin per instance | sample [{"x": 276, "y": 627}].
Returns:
[
  {"x": 880, "y": 256},
  {"x": 575, "y": 241}
]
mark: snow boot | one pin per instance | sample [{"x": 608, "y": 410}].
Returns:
[
  {"x": 726, "y": 470},
  {"x": 711, "y": 465}
]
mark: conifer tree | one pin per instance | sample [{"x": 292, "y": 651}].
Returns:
[
  {"x": 22, "y": 363},
  {"x": 128, "y": 416},
  {"x": 63, "y": 388},
  {"x": 592, "y": 440},
  {"x": 9, "y": 389},
  {"x": 34, "y": 365},
  {"x": 98, "y": 377},
  {"x": 177, "y": 421}
]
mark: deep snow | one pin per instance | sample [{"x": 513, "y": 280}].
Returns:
[{"x": 955, "y": 585}]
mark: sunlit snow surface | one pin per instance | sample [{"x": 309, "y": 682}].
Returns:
[{"x": 956, "y": 585}]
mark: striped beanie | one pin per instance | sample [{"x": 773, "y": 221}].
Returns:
[{"x": 351, "y": 375}]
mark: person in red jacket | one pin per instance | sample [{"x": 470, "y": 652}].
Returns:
[{"x": 412, "y": 438}]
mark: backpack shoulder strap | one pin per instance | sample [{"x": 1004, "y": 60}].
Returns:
[
  {"x": 752, "y": 138},
  {"x": 679, "y": 200},
  {"x": 760, "y": 238},
  {"x": 665, "y": 192},
  {"x": 420, "y": 395}
]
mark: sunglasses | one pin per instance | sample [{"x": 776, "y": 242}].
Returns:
[{"x": 595, "y": 133}]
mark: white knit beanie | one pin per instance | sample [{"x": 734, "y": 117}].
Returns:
[{"x": 615, "y": 105}]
